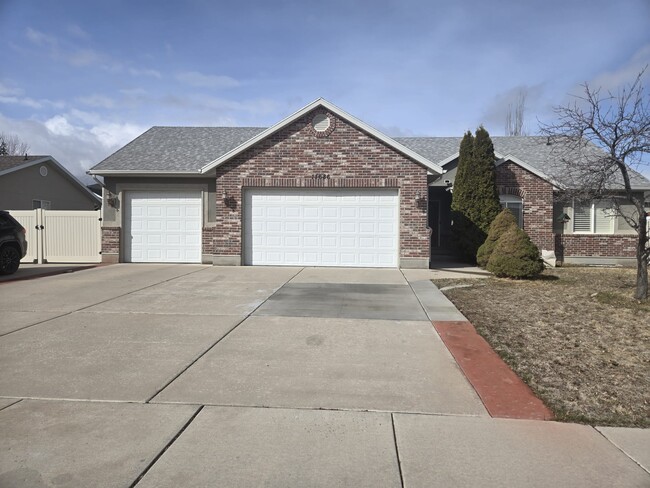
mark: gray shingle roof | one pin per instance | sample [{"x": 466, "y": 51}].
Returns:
[
  {"x": 532, "y": 150},
  {"x": 182, "y": 149},
  {"x": 188, "y": 149},
  {"x": 8, "y": 162}
]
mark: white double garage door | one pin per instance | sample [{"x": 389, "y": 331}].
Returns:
[{"x": 301, "y": 227}]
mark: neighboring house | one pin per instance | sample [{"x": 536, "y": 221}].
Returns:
[
  {"x": 29, "y": 182},
  {"x": 322, "y": 188}
]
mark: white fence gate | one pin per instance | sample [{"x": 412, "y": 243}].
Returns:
[{"x": 61, "y": 236}]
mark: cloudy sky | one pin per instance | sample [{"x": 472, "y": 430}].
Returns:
[{"x": 79, "y": 79}]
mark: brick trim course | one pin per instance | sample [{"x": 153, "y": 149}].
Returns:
[{"x": 346, "y": 158}]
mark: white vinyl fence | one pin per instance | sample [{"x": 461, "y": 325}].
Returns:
[{"x": 61, "y": 236}]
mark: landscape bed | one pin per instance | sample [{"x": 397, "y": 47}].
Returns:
[{"x": 574, "y": 335}]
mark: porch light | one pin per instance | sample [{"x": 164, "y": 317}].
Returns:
[
  {"x": 112, "y": 199},
  {"x": 564, "y": 218}
]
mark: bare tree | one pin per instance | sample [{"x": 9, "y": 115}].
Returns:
[
  {"x": 602, "y": 137},
  {"x": 515, "y": 115},
  {"x": 12, "y": 145}
]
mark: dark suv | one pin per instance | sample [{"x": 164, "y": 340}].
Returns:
[{"x": 13, "y": 245}]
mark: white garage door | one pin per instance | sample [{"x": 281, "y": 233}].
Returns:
[
  {"x": 163, "y": 227},
  {"x": 321, "y": 227}
]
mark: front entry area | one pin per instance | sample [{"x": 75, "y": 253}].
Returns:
[
  {"x": 321, "y": 227},
  {"x": 162, "y": 227}
]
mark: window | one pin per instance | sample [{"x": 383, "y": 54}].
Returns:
[
  {"x": 595, "y": 217},
  {"x": 515, "y": 205},
  {"x": 44, "y": 204}
]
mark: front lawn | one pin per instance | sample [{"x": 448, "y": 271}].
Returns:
[{"x": 574, "y": 335}]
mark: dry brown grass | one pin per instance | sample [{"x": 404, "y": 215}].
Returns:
[{"x": 575, "y": 335}]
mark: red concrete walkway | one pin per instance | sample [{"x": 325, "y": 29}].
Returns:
[{"x": 503, "y": 393}]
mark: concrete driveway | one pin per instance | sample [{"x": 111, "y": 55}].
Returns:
[{"x": 163, "y": 375}]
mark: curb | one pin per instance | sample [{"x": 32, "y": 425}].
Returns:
[{"x": 502, "y": 392}]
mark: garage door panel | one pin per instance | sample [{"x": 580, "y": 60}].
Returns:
[
  {"x": 321, "y": 227},
  {"x": 163, "y": 227}
]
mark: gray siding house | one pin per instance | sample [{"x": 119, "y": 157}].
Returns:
[{"x": 29, "y": 182}]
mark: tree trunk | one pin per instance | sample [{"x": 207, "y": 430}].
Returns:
[{"x": 642, "y": 259}]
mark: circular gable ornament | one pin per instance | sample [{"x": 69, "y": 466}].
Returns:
[
  {"x": 43, "y": 170},
  {"x": 321, "y": 122}
]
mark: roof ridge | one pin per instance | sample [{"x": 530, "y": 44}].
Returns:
[{"x": 206, "y": 127}]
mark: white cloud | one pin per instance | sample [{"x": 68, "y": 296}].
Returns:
[
  {"x": 76, "y": 145},
  {"x": 84, "y": 57},
  {"x": 115, "y": 135},
  {"x": 59, "y": 126},
  {"x": 194, "y": 78},
  {"x": 625, "y": 74},
  {"x": 6, "y": 90},
  {"x": 40, "y": 39},
  {"x": 76, "y": 31},
  {"x": 68, "y": 51},
  {"x": 26, "y": 102},
  {"x": 9, "y": 96}
]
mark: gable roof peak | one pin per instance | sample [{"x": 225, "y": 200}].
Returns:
[{"x": 321, "y": 102}]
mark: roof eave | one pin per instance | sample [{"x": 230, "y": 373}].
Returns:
[
  {"x": 27, "y": 164},
  {"x": 449, "y": 159},
  {"x": 509, "y": 157},
  {"x": 125, "y": 172},
  {"x": 341, "y": 113}
]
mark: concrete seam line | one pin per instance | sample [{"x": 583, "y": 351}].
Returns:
[
  {"x": 620, "y": 449},
  {"x": 193, "y": 362},
  {"x": 213, "y": 345},
  {"x": 399, "y": 461},
  {"x": 11, "y": 404},
  {"x": 291, "y": 279},
  {"x": 36, "y": 323},
  {"x": 164, "y": 449},
  {"x": 416, "y": 295},
  {"x": 98, "y": 303},
  {"x": 324, "y": 409}
]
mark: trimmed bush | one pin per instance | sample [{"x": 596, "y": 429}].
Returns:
[
  {"x": 504, "y": 221},
  {"x": 515, "y": 256}
]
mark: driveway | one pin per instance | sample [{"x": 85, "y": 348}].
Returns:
[{"x": 163, "y": 375}]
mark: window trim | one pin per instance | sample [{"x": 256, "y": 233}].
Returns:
[
  {"x": 44, "y": 204},
  {"x": 592, "y": 220},
  {"x": 504, "y": 200}
]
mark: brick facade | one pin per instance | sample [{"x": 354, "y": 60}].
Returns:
[
  {"x": 349, "y": 157},
  {"x": 208, "y": 239},
  {"x": 595, "y": 245},
  {"x": 111, "y": 244},
  {"x": 537, "y": 196}
]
